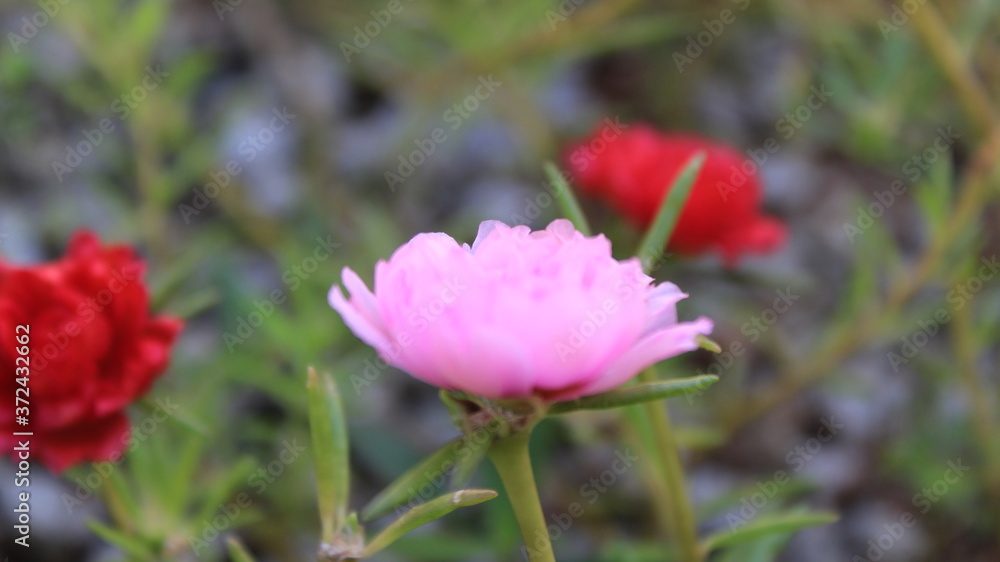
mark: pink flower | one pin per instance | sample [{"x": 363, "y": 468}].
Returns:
[{"x": 547, "y": 313}]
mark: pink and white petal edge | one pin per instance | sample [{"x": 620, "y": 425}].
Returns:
[
  {"x": 649, "y": 350},
  {"x": 363, "y": 327}
]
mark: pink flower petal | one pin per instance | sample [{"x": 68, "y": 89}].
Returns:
[
  {"x": 650, "y": 350},
  {"x": 368, "y": 331}
]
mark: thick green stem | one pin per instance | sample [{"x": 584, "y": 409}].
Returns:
[
  {"x": 682, "y": 520},
  {"x": 511, "y": 459}
]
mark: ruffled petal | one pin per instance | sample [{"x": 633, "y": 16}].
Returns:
[
  {"x": 366, "y": 327},
  {"x": 650, "y": 350},
  {"x": 661, "y": 306}
]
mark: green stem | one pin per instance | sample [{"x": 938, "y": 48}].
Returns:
[
  {"x": 983, "y": 420},
  {"x": 511, "y": 458},
  {"x": 640, "y": 436},
  {"x": 672, "y": 473}
]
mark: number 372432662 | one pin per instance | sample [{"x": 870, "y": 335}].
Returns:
[{"x": 22, "y": 370}]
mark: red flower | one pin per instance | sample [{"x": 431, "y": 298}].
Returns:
[
  {"x": 632, "y": 169},
  {"x": 93, "y": 349}
]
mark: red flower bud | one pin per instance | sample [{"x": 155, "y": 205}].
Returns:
[{"x": 633, "y": 168}]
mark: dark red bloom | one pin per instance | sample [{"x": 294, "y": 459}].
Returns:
[
  {"x": 94, "y": 349},
  {"x": 633, "y": 168}
]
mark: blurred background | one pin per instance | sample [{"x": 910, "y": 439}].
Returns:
[{"x": 251, "y": 149}]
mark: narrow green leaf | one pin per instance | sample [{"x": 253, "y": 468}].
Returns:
[
  {"x": 766, "y": 526},
  {"x": 223, "y": 487},
  {"x": 146, "y": 22},
  {"x": 761, "y": 550},
  {"x": 425, "y": 513},
  {"x": 184, "y": 472},
  {"x": 934, "y": 195},
  {"x": 656, "y": 238},
  {"x": 567, "y": 200},
  {"x": 329, "y": 440},
  {"x": 454, "y": 406},
  {"x": 131, "y": 545},
  {"x": 709, "y": 344},
  {"x": 236, "y": 550},
  {"x": 120, "y": 500},
  {"x": 472, "y": 453},
  {"x": 194, "y": 303},
  {"x": 635, "y": 394},
  {"x": 405, "y": 488}
]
